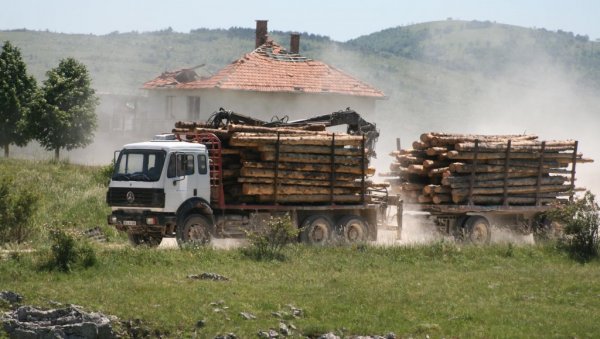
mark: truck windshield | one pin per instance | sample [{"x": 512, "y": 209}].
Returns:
[{"x": 139, "y": 165}]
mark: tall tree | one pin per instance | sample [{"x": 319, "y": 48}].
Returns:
[
  {"x": 65, "y": 116},
  {"x": 17, "y": 92}
]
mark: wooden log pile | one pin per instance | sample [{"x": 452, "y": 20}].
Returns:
[
  {"x": 291, "y": 165},
  {"x": 443, "y": 168}
]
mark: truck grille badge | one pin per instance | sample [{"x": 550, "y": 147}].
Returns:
[{"x": 130, "y": 197}]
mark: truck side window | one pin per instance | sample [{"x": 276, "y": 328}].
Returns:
[
  {"x": 202, "y": 168},
  {"x": 187, "y": 164},
  {"x": 184, "y": 163}
]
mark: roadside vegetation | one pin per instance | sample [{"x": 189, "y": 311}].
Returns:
[{"x": 441, "y": 290}]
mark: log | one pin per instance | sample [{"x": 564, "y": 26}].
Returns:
[
  {"x": 438, "y": 171},
  {"x": 283, "y": 130},
  {"x": 433, "y": 151},
  {"x": 498, "y": 200},
  {"x": 310, "y": 167},
  {"x": 531, "y": 146},
  {"x": 554, "y": 180},
  {"x": 529, "y": 163},
  {"x": 312, "y": 158},
  {"x": 257, "y": 139},
  {"x": 438, "y": 139},
  {"x": 424, "y": 199},
  {"x": 315, "y": 198},
  {"x": 260, "y": 189},
  {"x": 417, "y": 169},
  {"x": 303, "y": 182},
  {"x": 462, "y": 192},
  {"x": 411, "y": 186},
  {"x": 312, "y": 149},
  {"x": 270, "y": 173},
  {"x": 514, "y": 155},
  {"x": 419, "y": 145},
  {"x": 441, "y": 198},
  {"x": 459, "y": 167},
  {"x": 484, "y": 177}
]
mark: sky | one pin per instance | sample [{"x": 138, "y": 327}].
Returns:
[{"x": 341, "y": 20}]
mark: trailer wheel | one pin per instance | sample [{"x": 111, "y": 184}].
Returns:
[
  {"x": 478, "y": 230},
  {"x": 196, "y": 229},
  {"x": 144, "y": 240},
  {"x": 316, "y": 230},
  {"x": 354, "y": 228}
]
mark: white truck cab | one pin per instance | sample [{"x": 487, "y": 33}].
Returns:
[{"x": 154, "y": 180}]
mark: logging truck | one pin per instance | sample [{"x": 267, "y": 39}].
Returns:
[
  {"x": 232, "y": 173},
  {"x": 469, "y": 182}
]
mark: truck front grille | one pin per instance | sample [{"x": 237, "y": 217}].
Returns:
[{"x": 135, "y": 197}]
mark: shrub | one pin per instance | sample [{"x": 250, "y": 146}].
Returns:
[
  {"x": 103, "y": 175},
  {"x": 581, "y": 221},
  {"x": 269, "y": 243},
  {"x": 17, "y": 204},
  {"x": 67, "y": 251}
]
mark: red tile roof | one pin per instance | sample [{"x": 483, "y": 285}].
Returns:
[{"x": 270, "y": 68}]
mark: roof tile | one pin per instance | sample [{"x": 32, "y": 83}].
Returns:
[{"x": 270, "y": 68}]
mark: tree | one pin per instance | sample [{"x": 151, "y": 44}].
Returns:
[
  {"x": 17, "y": 92},
  {"x": 65, "y": 115}
]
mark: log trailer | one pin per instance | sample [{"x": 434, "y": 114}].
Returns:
[
  {"x": 178, "y": 185},
  {"x": 468, "y": 182}
]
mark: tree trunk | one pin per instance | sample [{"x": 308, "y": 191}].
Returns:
[
  {"x": 57, "y": 153},
  {"x": 256, "y": 140},
  {"x": 463, "y": 192},
  {"x": 554, "y": 180},
  {"x": 6, "y": 150},
  {"x": 261, "y": 189},
  {"x": 513, "y": 155}
]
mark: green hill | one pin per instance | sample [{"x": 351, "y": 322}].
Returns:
[{"x": 455, "y": 76}]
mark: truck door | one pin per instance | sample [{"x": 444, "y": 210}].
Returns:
[{"x": 180, "y": 172}]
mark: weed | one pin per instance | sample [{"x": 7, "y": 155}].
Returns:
[
  {"x": 268, "y": 243},
  {"x": 67, "y": 251},
  {"x": 581, "y": 222},
  {"x": 17, "y": 204}
]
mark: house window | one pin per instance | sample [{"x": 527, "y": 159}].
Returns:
[
  {"x": 193, "y": 108},
  {"x": 169, "y": 107}
]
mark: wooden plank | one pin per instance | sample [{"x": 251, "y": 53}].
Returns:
[
  {"x": 260, "y": 189},
  {"x": 309, "y": 167}
]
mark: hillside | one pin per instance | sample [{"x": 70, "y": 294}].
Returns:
[{"x": 454, "y": 76}]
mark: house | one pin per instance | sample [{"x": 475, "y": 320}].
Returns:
[{"x": 269, "y": 81}]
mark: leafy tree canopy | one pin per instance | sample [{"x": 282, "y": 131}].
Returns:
[
  {"x": 66, "y": 113},
  {"x": 17, "y": 91}
]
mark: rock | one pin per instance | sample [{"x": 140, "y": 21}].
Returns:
[
  {"x": 69, "y": 322},
  {"x": 329, "y": 336},
  {"x": 268, "y": 334},
  {"x": 284, "y": 329},
  {"x": 11, "y": 297},
  {"x": 201, "y": 323},
  {"x": 226, "y": 336},
  {"x": 247, "y": 316},
  {"x": 208, "y": 276}
]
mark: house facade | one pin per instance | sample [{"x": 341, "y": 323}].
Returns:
[{"x": 267, "y": 82}]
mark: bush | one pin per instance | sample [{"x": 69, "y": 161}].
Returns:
[
  {"x": 269, "y": 243},
  {"x": 67, "y": 252},
  {"x": 581, "y": 221},
  {"x": 104, "y": 174},
  {"x": 17, "y": 204}
]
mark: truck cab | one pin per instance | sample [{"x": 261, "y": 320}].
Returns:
[{"x": 153, "y": 182}]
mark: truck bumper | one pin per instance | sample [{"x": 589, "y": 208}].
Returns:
[{"x": 142, "y": 222}]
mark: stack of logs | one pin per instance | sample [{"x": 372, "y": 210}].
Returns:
[
  {"x": 300, "y": 164},
  {"x": 485, "y": 170}
]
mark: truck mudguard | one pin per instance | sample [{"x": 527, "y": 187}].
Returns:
[{"x": 195, "y": 205}]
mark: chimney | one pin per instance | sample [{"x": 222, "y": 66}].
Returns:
[
  {"x": 295, "y": 43},
  {"x": 261, "y": 32}
]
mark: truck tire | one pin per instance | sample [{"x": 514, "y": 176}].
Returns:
[
  {"x": 354, "y": 228},
  {"x": 316, "y": 230},
  {"x": 478, "y": 230},
  {"x": 195, "y": 229},
  {"x": 144, "y": 240}
]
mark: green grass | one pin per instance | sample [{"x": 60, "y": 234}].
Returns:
[
  {"x": 441, "y": 290},
  {"x": 69, "y": 195}
]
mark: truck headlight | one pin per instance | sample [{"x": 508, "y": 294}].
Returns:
[
  {"x": 112, "y": 219},
  {"x": 151, "y": 221}
]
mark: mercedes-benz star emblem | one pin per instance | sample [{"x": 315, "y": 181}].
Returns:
[{"x": 130, "y": 197}]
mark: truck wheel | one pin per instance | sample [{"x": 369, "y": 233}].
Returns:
[
  {"x": 145, "y": 240},
  {"x": 316, "y": 230},
  {"x": 196, "y": 229},
  {"x": 354, "y": 228},
  {"x": 478, "y": 230}
]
